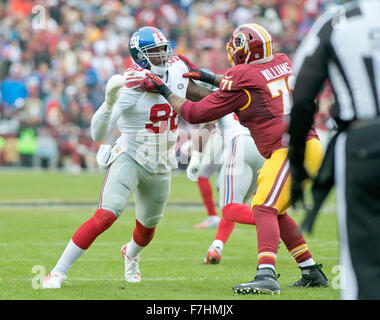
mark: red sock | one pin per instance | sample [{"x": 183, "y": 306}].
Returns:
[
  {"x": 225, "y": 228},
  {"x": 142, "y": 235},
  {"x": 268, "y": 234},
  {"x": 88, "y": 231},
  {"x": 206, "y": 193},
  {"x": 237, "y": 212},
  {"x": 292, "y": 236}
]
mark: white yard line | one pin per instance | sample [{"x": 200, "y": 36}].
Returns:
[{"x": 100, "y": 279}]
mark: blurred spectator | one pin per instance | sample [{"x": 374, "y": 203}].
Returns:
[
  {"x": 47, "y": 149},
  {"x": 56, "y": 56},
  {"x": 13, "y": 87},
  {"x": 9, "y": 153},
  {"x": 26, "y": 146},
  {"x": 272, "y": 22}
]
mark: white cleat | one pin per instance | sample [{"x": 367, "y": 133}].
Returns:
[
  {"x": 132, "y": 266},
  {"x": 209, "y": 222},
  {"x": 53, "y": 280}
]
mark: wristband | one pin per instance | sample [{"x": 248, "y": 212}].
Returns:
[
  {"x": 207, "y": 77},
  {"x": 164, "y": 91}
]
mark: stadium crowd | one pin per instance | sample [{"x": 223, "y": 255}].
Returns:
[{"x": 56, "y": 56}]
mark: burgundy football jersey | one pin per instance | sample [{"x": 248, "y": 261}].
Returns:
[{"x": 259, "y": 94}]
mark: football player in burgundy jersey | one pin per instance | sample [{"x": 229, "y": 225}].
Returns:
[{"x": 258, "y": 89}]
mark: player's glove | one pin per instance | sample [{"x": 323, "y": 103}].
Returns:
[
  {"x": 196, "y": 73},
  {"x": 154, "y": 84},
  {"x": 298, "y": 176},
  {"x": 192, "y": 170},
  {"x": 113, "y": 88},
  {"x": 298, "y": 173}
]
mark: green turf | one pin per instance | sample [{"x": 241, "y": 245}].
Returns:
[
  {"x": 171, "y": 266},
  {"x": 36, "y": 186}
]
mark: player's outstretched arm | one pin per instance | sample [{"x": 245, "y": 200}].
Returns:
[
  {"x": 154, "y": 84},
  {"x": 212, "y": 107},
  {"x": 199, "y": 74},
  {"x": 196, "y": 92}
]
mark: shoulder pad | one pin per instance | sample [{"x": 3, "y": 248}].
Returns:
[
  {"x": 238, "y": 77},
  {"x": 178, "y": 63},
  {"x": 174, "y": 59},
  {"x": 135, "y": 70},
  {"x": 134, "y": 76},
  {"x": 284, "y": 57}
]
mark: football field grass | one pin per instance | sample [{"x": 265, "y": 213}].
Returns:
[{"x": 40, "y": 211}]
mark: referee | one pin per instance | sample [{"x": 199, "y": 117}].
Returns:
[{"x": 344, "y": 46}]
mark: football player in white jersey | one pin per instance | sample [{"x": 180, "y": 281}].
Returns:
[
  {"x": 204, "y": 164},
  {"x": 143, "y": 156},
  {"x": 237, "y": 179}
]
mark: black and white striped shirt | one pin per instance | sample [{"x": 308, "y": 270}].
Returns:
[{"x": 344, "y": 46}]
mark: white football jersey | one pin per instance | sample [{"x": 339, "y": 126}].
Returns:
[
  {"x": 147, "y": 123},
  {"x": 229, "y": 127}
]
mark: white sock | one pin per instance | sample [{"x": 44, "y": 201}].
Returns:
[
  {"x": 261, "y": 266},
  {"x": 133, "y": 249},
  {"x": 308, "y": 262},
  {"x": 218, "y": 243},
  {"x": 69, "y": 256}
]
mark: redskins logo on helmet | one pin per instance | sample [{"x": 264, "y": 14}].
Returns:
[{"x": 250, "y": 43}]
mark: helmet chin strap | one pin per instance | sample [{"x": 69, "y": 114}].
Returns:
[
  {"x": 248, "y": 56},
  {"x": 159, "y": 70}
]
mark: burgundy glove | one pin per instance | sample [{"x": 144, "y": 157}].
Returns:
[
  {"x": 196, "y": 73},
  {"x": 154, "y": 84}
]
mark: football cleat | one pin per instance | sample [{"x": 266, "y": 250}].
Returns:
[
  {"x": 53, "y": 280},
  {"x": 132, "y": 266},
  {"x": 209, "y": 222},
  {"x": 214, "y": 255},
  {"x": 264, "y": 282},
  {"x": 312, "y": 276}
]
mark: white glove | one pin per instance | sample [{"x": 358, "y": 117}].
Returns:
[
  {"x": 113, "y": 88},
  {"x": 103, "y": 155},
  {"x": 193, "y": 168}
]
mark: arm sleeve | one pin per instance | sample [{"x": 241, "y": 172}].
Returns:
[
  {"x": 310, "y": 65},
  {"x": 105, "y": 120},
  {"x": 213, "y": 106}
]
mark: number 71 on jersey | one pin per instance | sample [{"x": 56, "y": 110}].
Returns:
[{"x": 283, "y": 86}]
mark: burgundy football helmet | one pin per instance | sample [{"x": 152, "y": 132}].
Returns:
[{"x": 250, "y": 43}]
